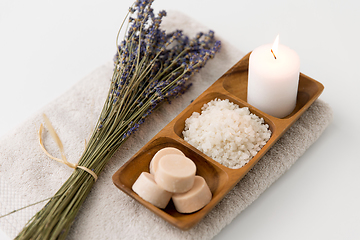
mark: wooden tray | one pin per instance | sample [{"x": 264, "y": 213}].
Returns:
[{"x": 233, "y": 86}]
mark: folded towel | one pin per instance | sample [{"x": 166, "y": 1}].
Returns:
[{"x": 27, "y": 175}]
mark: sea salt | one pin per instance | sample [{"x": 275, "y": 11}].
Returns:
[{"x": 227, "y": 133}]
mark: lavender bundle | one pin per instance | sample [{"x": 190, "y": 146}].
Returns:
[{"x": 150, "y": 66}]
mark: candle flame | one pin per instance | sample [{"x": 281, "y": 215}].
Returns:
[{"x": 274, "y": 49}]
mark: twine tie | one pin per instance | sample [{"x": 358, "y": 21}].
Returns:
[{"x": 61, "y": 148}]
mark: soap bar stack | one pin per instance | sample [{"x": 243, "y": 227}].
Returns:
[{"x": 172, "y": 176}]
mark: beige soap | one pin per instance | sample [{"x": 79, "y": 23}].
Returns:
[
  {"x": 175, "y": 173},
  {"x": 159, "y": 154},
  {"x": 146, "y": 187},
  {"x": 196, "y": 198}
]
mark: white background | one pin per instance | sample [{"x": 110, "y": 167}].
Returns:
[{"x": 47, "y": 46}]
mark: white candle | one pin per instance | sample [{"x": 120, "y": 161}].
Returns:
[{"x": 273, "y": 79}]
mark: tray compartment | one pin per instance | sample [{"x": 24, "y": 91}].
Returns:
[
  {"x": 235, "y": 82},
  {"x": 215, "y": 177}
]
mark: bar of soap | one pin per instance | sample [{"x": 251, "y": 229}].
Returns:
[
  {"x": 159, "y": 154},
  {"x": 196, "y": 198},
  {"x": 175, "y": 173},
  {"x": 146, "y": 187}
]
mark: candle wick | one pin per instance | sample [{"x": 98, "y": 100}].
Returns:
[{"x": 273, "y": 53}]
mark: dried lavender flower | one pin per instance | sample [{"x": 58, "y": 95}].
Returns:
[{"x": 150, "y": 66}]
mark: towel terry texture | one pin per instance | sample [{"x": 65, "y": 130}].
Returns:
[{"x": 27, "y": 175}]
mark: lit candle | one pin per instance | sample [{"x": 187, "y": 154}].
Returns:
[{"x": 273, "y": 79}]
